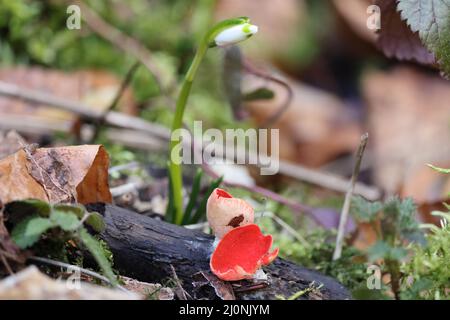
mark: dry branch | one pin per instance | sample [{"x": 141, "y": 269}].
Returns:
[{"x": 348, "y": 197}]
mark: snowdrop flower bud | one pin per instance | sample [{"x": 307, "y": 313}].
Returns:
[{"x": 235, "y": 34}]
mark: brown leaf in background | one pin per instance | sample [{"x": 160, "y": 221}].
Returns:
[
  {"x": 409, "y": 125},
  {"x": 396, "y": 39},
  {"x": 316, "y": 128},
  {"x": 56, "y": 174},
  {"x": 355, "y": 14},
  {"x": 94, "y": 88},
  {"x": 16, "y": 182}
]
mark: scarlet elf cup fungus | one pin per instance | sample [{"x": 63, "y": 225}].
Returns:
[
  {"x": 242, "y": 248},
  {"x": 241, "y": 252},
  {"x": 225, "y": 33}
]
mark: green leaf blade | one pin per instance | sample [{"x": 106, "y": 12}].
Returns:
[
  {"x": 65, "y": 220},
  {"x": 28, "y": 232},
  {"x": 95, "y": 248},
  {"x": 431, "y": 19}
]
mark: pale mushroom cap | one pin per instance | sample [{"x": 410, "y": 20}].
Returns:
[{"x": 225, "y": 213}]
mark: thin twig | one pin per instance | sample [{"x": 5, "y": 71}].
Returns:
[
  {"x": 180, "y": 287},
  {"x": 113, "y": 118},
  {"x": 9, "y": 255},
  {"x": 125, "y": 82},
  {"x": 286, "y": 227},
  {"x": 127, "y": 187},
  {"x": 290, "y": 94},
  {"x": 126, "y": 166},
  {"x": 67, "y": 266},
  {"x": 6, "y": 264},
  {"x": 348, "y": 197}
]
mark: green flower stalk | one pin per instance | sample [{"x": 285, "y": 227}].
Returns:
[{"x": 225, "y": 33}]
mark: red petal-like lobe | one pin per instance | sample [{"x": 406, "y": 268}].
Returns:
[
  {"x": 241, "y": 252},
  {"x": 222, "y": 193},
  {"x": 270, "y": 256}
]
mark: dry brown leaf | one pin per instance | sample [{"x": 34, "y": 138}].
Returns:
[
  {"x": 16, "y": 182},
  {"x": 10, "y": 143},
  {"x": 61, "y": 174},
  {"x": 409, "y": 117},
  {"x": 31, "y": 284},
  {"x": 316, "y": 128}
]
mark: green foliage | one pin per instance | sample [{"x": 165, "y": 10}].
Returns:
[
  {"x": 93, "y": 219},
  {"x": 65, "y": 220},
  {"x": 68, "y": 223},
  {"x": 350, "y": 270},
  {"x": 398, "y": 221},
  {"x": 418, "y": 268},
  {"x": 428, "y": 268},
  {"x": 365, "y": 211},
  {"x": 193, "y": 197},
  {"x": 28, "y": 232},
  {"x": 301, "y": 293},
  {"x": 382, "y": 250},
  {"x": 96, "y": 249},
  {"x": 195, "y": 210},
  {"x": 397, "y": 227},
  {"x": 431, "y": 20}
]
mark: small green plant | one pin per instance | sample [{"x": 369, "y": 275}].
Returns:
[
  {"x": 224, "y": 33},
  {"x": 428, "y": 270},
  {"x": 301, "y": 293},
  {"x": 34, "y": 219},
  {"x": 350, "y": 269},
  {"x": 190, "y": 215},
  {"x": 395, "y": 224}
]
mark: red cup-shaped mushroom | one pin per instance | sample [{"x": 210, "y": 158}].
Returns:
[
  {"x": 241, "y": 252},
  {"x": 225, "y": 213}
]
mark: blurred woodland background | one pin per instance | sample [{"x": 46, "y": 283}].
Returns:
[{"x": 314, "y": 70}]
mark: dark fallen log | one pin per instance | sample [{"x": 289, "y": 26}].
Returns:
[{"x": 145, "y": 248}]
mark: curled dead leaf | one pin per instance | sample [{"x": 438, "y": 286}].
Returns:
[{"x": 64, "y": 174}]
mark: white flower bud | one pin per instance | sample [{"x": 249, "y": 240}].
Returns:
[{"x": 235, "y": 34}]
